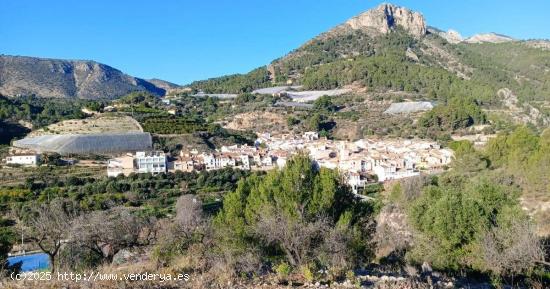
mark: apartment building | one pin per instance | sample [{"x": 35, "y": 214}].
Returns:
[{"x": 153, "y": 162}]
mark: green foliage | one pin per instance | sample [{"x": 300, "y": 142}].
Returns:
[
  {"x": 501, "y": 63},
  {"x": 324, "y": 103},
  {"x": 298, "y": 196},
  {"x": 513, "y": 149},
  {"x": 458, "y": 113},
  {"x": 396, "y": 193},
  {"x": 283, "y": 270},
  {"x": 244, "y": 98},
  {"x": 140, "y": 97},
  {"x": 453, "y": 218},
  {"x": 95, "y": 106},
  {"x": 7, "y": 239},
  {"x": 396, "y": 73},
  {"x": 319, "y": 122},
  {"x": 237, "y": 83},
  {"x": 526, "y": 155},
  {"x": 37, "y": 111},
  {"x": 461, "y": 147},
  {"x": 328, "y": 49},
  {"x": 307, "y": 273},
  {"x": 467, "y": 159},
  {"x": 158, "y": 193},
  {"x": 292, "y": 121},
  {"x": 321, "y": 51},
  {"x": 173, "y": 125}
]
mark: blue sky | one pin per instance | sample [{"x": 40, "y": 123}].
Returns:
[{"x": 182, "y": 41}]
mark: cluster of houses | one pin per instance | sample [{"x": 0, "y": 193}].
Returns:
[{"x": 362, "y": 161}]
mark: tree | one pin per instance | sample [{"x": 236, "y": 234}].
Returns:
[
  {"x": 49, "y": 225},
  {"x": 521, "y": 143},
  {"x": 324, "y": 104},
  {"x": 319, "y": 122},
  {"x": 7, "y": 239},
  {"x": 189, "y": 214},
  {"x": 107, "y": 232},
  {"x": 511, "y": 247},
  {"x": 297, "y": 239},
  {"x": 467, "y": 159},
  {"x": 290, "y": 212},
  {"x": 292, "y": 121},
  {"x": 462, "y": 225}
]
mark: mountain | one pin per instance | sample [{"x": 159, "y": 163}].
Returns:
[
  {"x": 489, "y": 38},
  {"x": 391, "y": 48},
  {"x": 166, "y": 85},
  {"x": 21, "y": 75},
  {"x": 386, "y": 18}
]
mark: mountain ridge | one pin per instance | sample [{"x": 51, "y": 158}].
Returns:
[
  {"x": 370, "y": 33},
  {"x": 62, "y": 78}
]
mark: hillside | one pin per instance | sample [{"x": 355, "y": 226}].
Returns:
[
  {"x": 20, "y": 75},
  {"x": 390, "y": 48},
  {"x": 163, "y": 84}
]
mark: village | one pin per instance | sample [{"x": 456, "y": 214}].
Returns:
[{"x": 361, "y": 162}]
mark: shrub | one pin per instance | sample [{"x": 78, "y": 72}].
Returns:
[
  {"x": 469, "y": 225},
  {"x": 283, "y": 270}
]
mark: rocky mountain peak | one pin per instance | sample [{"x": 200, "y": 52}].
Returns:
[{"x": 387, "y": 17}]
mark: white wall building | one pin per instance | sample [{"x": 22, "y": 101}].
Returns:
[
  {"x": 150, "y": 162},
  {"x": 24, "y": 160},
  {"x": 390, "y": 172},
  {"x": 218, "y": 161}
]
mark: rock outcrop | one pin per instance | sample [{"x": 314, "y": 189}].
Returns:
[
  {"x": 21, "y": 75},
  {"x": 387, "y": 17},
  {"x": 452, "y": 36},
  {"x": 489, "y": 38}
]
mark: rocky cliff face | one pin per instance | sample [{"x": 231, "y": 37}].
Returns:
[
  {"x": 386, "y": 18},
  {"x": 67, "y": 79},
  {"x": 452, "y": 36}
]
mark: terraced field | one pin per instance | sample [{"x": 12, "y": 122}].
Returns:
[{"x": 98, "y": 124}]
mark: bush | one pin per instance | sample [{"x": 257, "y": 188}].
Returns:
[
  {"x": 307, "y": 273},
  {"x": 299, "y": 214},
  {"x": 467, "y": 225},
  {"x": 283, "y": 270}
]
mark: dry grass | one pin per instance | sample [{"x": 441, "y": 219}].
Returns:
[
  {"x": 18, "y": 175},
  {"x": 258, "y": 121},
  {"x": 96, "y": 124}
]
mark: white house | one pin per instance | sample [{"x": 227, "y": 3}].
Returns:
[
  {"x": 246, "y": 162},
  {"x": 390, "y": 172},
  {"x": 150, "y": 162},
  {"x": 356, "y": 181},
  {"x": 25, "y": 160},
  {"x": 310, "y": 135},
  {"x": 218, "y": 161}
]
